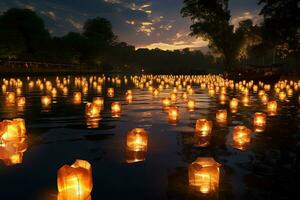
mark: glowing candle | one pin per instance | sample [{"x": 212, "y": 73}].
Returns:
[
  {"x": 110, "y": 92},
  {"x": 272, "y": 108},
  {"x": 203, "y": 127},
  {"x": 75, "y": 181},
  {"x": 221, "y": 116},
  {"x": 259, "y": 122},
  {"x": 46, "y": 100},
  {"x": 204, "y": 175},
  {"x": 173, "y": 113},
  {"x": 116, "y": 109},
  {"x": 77, "y": 97},
  {"x": 191, "y": 105},
  {"x": 92, "y": 110},
  {"x": 233, "y": 104},
  {"x": 241, "y": 137}
]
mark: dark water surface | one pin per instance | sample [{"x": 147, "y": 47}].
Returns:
[{"x": 269, "y": 169}]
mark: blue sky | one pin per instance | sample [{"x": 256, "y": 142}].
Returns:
[{"x": 143, "y": 23}]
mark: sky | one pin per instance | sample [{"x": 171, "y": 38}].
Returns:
[{"x": 142, "y": 23}]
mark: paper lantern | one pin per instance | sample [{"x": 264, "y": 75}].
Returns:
[
  {"x": 259, "y": 121},
  {"x": 221, "y": 116},
  {"x": 77, "y": 98},
  {"x": 92, "y": 110},
  {"x": 203, "y": 127},
  {"x": 222, "y": 98},
  {"x": 272, "y": 108},
  {"x": 137, "y": 140},
  {"x": 99, "y": 101},
  {"x": 166, "y": 102},
  {"x": 46, "y": 100},
  {"x": 191, "y": 105},
  {"x": 241, "y": 137},
  {"x": 21, "y": 101},
  {"x": 184, "y": 96},
  {"x": 75, "y": 182},
  {"x": 211, "y": 92},
  {"x": 129, "y": 98},
  {"x": 204, "y": 175},
  {"x": 155, "y": 93},
  {"x": 116, "y": 109},
  {"x": 173, "y": 114},
  {"x": 173, "y": 97},
  {"x": 233, "y": 104},
  {"x": 282, "y": 95},
  {"x": 110, "y": 92},
  {"x": 10, "y": 97},
  {"x": 264, "y": 99},
  {"x": 246, "y": 100}
]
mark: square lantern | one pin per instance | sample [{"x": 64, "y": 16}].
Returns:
[
  {"x": 272, "y": 108},
  {"x": 259, "y": 121},
  {"x": 92, "y": 110},
  {"x": 221, "y": 116},
  {"x": 46, "y": 100},
  {"x": 110, "y": 92},
  {"x": 116, "y": 109},
  {"x": 136, "y": 145},
  {"x": 191, "y": 105},
  {"x": 203, "y": 127},
  {"x": 75, "y": 182},
  {"x": 173, "y": 115},
  {"x": 241, "y": 137},
  {"x": 204, "y": 175},
  {"x": 77, "y": 98},
  {"x": 234, "y": 103}
]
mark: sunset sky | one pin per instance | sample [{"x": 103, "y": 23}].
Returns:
[{"x": 142, "y": 23}]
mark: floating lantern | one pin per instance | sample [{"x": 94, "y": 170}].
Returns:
[
  {"x": 203, "y": 127},
  {"x": 184, "y": 96},
  {"x": 221, "y": 116},
  {"x": 272, "y": 108},
  {"x": 259, "y": 122},
  {"x": 211, "y": 92},
  {"x": 264, "y": 99},
  {"x": 204, "y": 175},
  {"x": 46, "y": 100},
  {"x": 10, "y": 97},
  {"x": 173, "y": 114},
  {"x": 110, "y": 92},
  {"x": 191, "y": 105},
  {"x": 282, "y": 95},
  {"x": 21, "y": 101},
  {"x": 173, "y": 97},
  {"x": 241, "y": 137},
  {"x": 137, "y": 140},
  {"x": 99, "y": 101},
  {"x": 92, "y": 110},
  {"x": 77, "y": 97},
  {"x": 116, "y": 109},
  {"x": 75, "y": 182},
  {"x": 233, "y": 104},
  {"x": 246, "y": 100},
  {"x": 166, "y": 102},
  {"x": 222, "y": 98}
]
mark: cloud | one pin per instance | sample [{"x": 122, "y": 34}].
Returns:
[
  {"x": 245, "y": 15},
  {"x": 75, "y": 24}
]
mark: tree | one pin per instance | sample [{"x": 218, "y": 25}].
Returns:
[
  {"x": 281, "y": 27},
  {"x": 22, "y": 32},
  {"x": 210, "y": 20}
]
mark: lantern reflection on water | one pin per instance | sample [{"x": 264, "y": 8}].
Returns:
[
  {"x": 272, "y": 108},
  {"x": 75, "y": 182},
  {"x": 116, "y": 109},
  {"x": 136, "y": 145},
  {"x": 259, "y": 122},
  {"x": 203, "y": 127},
  {"x": 204, "y": 175},
  {"x": 173, "y": 115},
  {"x": 221, "y": 116},
  {"x": 12, "y": 141},
  {"x": 241, "y": 137}
]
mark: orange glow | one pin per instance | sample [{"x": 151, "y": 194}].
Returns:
[
  {"x": 21, "y": 101},
  {"x": 110, "y": 92},
  {"x": 264, "y": 99},
  {"x": 246, "y": 100},
  {"x": 173, "y": 97},
  {"x": 222, "y": 98},
  {"x": 98, "y": 101},
  {"x": 137, "y": 140},
  {"x": 241, "y": 137},
  {"x": 272, "y": 108},
  {"x": 75, "y": 182},
  {"x": 77, "y": 98},
  {"x": 92, "y": 110},
  {"x": 233, "y": 104},
  {"x": 259, "y": 121},
  {"x": 116, "y": 109},
  {"x": 191, "y": 105},
  {"x": 204, "y": 175},
  {"x": 173, "y": 114},
  {"x": 46, "y": 101},
  {"x": 10, "y": 97},
  {"x": 282, "y": 96},
  {"x": 221, "y": 116},
  {"x": 166, "y": 102},
  {"x": 203, "y": 127}
]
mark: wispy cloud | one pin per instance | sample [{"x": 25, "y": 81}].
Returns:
[{"x": 245, "y": 15}]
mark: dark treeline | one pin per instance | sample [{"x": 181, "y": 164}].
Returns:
[
  {"x": 23, "y": 36},
  {"x": 276, "y": 40}
]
